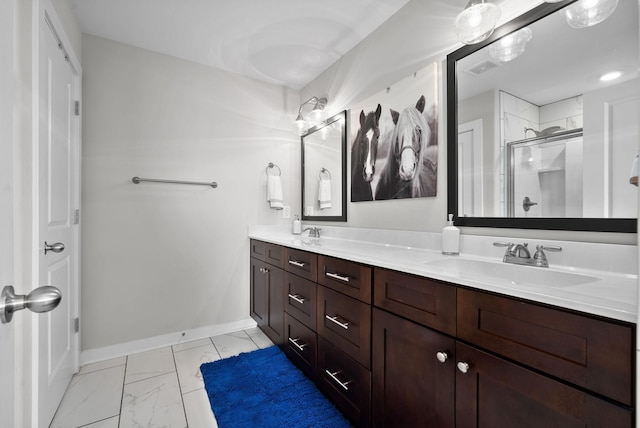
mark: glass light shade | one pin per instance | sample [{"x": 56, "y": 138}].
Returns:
[
  {"x": 585, "y": 13},
  {"x": 511, "y": 46},
  {"x": 477, "y": 21},
  {"x": 317, "y": 114},
  {"x": 300, "y": 125}
]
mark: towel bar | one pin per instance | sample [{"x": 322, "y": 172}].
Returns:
[{"x": 137, "y": 180}]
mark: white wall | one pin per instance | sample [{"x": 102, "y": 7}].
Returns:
[{"x": 161, "y": 258}]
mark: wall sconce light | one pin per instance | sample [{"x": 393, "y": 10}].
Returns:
[
  {"x": 511, "y": 46},
  {"x": 316, "y": 115},
  {"x": 477, "y": 21},
  {"x": 585, "y": 13}
]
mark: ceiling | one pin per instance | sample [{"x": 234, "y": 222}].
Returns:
[{"x": 285, "y": 42}]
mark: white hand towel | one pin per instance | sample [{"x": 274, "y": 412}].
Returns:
[
  {"x": 274, "y": 191},
  {"x": 324, "y": 193}
]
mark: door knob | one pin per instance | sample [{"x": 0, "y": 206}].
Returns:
[
  {"x": 42, "y": 299},
  {"x": 57, "y": 247}
]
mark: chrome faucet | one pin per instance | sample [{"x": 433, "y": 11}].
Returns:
[
  {"x": 519, "y": 254},
  {"x": 314, "y": 232}
]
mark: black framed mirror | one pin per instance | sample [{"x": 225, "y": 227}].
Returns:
[
  {"x": 539, "y": 141},
  {"x": 324, "y": 170}
]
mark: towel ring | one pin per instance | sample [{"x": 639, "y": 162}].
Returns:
[
  {"x": 271, "y": 166},
  {"x": 326, "y": 171}
]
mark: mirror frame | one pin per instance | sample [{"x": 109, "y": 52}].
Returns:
[
  {"x": 343, "y": 150},
  {"x": 628, "y": 225}
]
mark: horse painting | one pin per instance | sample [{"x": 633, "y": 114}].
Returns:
[
  {"x": 363, "y": 155},
  {"x": 411, "y": 167}
]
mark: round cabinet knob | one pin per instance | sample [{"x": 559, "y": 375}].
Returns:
[
  {"x": 442, "y": 356},
  {"x": 463, "y": 367}
]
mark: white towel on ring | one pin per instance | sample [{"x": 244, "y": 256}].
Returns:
[
  {"x": 324, "y": 193},
  {"x": 274, "y": 191}
]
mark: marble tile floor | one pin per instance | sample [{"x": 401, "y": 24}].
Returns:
[{"x": 159, "y": 388}]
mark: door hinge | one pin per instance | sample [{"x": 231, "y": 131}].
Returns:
[
  {"x": 77, "y": 108},
  {"x": 76, "y": 325},
  {"x": 76, "y": 216}
]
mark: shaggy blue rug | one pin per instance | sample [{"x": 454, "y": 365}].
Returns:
[{"x": 264, "y": 389}]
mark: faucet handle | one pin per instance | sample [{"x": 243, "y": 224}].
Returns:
[{"x": 541, "y": 258}]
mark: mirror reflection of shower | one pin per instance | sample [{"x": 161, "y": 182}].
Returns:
[{"x": 547, "y": 170}]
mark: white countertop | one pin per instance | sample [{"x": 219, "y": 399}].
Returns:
[{"x": 609, "y": 293}]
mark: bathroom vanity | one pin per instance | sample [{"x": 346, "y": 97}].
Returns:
[{"x": 393, "y": 342}]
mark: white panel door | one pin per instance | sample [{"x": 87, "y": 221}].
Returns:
[
  {"x": 7, "y": 331},
  {"x": 470, "y": 187},
  {"x": 57, "y": 190}
]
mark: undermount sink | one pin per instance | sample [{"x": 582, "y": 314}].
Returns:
[{"x": 515, "y": 274}]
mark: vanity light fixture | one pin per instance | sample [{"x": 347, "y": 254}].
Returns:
[
  {"x": 585, "y": 13},
  {"x": 613, "y": 75},
  {"x": 477, "y": 21},
  {"x": 511, "y": 46},
  {"x": 315, "y": 116}
]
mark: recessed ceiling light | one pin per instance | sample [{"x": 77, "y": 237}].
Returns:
[{"x": 607, "y": 77}]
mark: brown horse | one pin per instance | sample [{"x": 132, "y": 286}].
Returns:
[{"x": 363, "y": 155}]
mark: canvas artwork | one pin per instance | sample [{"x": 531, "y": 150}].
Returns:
[{"x": 394, "y": 144}]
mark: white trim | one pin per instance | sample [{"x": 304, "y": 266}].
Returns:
[{"x": 135, "y": 346}]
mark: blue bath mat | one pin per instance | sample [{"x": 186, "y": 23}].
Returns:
[{"x": 263, "y": 389}]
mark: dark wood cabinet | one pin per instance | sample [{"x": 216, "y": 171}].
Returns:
[
  {"x": 345, "y": 382},
  {"x": 434, "y": 354},
  {"x": 267, "y": 292},
  {"x": 413, "y": 371},
  {"x": 346, "y": 277},
  {"x": 591, "y": 353},
  {"x": 301, "y": 346},
  {"x": 496, "y": 393}
]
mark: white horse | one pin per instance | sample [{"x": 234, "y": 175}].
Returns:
[{"x": 410, "y": 162}]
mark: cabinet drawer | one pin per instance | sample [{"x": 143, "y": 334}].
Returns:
[
  {"x": 422, "y": 300},
  {"x": 302, "y": 263},
  {"x": 300, "y": 299},
  {"x": 346, "y": 323},
  {"x": 588, "y": 352},
  {"x": 349, "y": 278},
  {"x": 274, "y": 255},
  {"x": 345, "y": 382},
  {"x": 301, "y": 345},
  {"x": 257, "y": 249}
]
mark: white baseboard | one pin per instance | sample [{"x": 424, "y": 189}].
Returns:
[{"x": 135, "y": 346}]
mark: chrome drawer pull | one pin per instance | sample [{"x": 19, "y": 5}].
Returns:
[
  {"x": 442, "y": 356},
  {"x": 342, "y": 384},
  {"x": 298, "y": 298},
  {"x": 344, "y": 325},
  {"x": 297, "y": 345},
  {"x": 336, "y": 276},
  {"x": 297, "y": 263}
]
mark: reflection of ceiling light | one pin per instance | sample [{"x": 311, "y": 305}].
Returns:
[
  {"x": 607, "y": 77},
  {"x": 585, "y": 13},
  {"x": 511, "y": 46},
  {"x": 477, "y": 21}
]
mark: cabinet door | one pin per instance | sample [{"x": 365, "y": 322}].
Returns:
[
  {"x": 411, "y": 386},
  {"x": 259, "y": 294},
  {"x": 496, "y": 393},
  {"x": 274, "y": 327}
]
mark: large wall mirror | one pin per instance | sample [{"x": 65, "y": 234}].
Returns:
[
  {"x": 537, "y": 136},
  {"x": 324, "y": 169}
]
